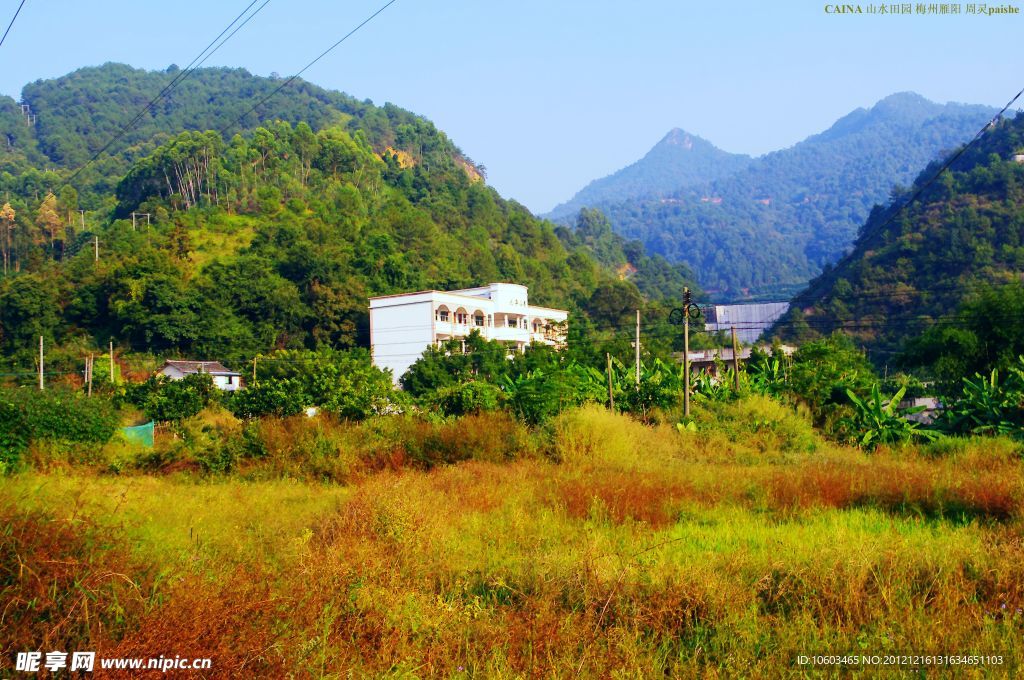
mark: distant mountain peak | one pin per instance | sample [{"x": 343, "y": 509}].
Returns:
[
  {"x": 906, "y": 103},
  {"x": 679, "y": 159},
  {"x": 678, "y": 137}
]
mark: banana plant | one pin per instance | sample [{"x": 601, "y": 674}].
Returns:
[
  {"x": 877, "y": 420},
  {"x": 988, "y": 405}
]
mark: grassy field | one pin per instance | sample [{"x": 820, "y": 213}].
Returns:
[{"x": 608, "y": 549}]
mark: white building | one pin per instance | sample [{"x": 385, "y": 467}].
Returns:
[
  {"x": 227, "y": 380},
  {"x": 403, "y": 326}
]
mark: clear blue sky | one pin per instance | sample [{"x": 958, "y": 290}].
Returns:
[{"x": 547, "y": 94}]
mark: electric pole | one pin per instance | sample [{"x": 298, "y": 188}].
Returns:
[
  {"x": 611, "y": 395},
  {"x": 735, "y": 360},
  {"x": 41, "y": 363},
  {"x": 637, "y": 343},
  {"x": 686, "y": 352},
  {"x": 111, "y": 362}
]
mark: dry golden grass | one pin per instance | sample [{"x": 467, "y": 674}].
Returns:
[{"x": 627, "y": 551}]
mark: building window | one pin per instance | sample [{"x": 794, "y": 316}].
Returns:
[
  {"x": 512, "y": 323},
  {"x": 442, "y": 315},
  {"x": 479, "y": 320}
]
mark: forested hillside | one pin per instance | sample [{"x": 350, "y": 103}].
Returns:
[
  {"x": 272, "y": 236},
  {"x": 768, "y": 228},
  {"x": 678, "y": 160},
  {"x": 912, "y": 270}
]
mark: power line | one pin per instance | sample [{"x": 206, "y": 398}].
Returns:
[
  {"x": 176, "y": 81},
  {"x": 16, "y": 12},
  {"x": 323, "y": 54}
]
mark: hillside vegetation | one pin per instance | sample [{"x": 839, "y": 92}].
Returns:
[
  {"x": 770, "y": 226},
  {"x": 958, "y": 247},
  {"x": 269, "y": 237}
]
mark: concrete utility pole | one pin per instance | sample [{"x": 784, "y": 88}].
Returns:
[
  {"x": 735, "y": 360},
  {"x": 686, "y": 353},
  {"x": 111, "y": 362},
  {"x": 637, "y": 343},
  {"x": 41, "y": 388},
  {"x": 611, "y": 395},
  {"x": 96, "y": 248}
]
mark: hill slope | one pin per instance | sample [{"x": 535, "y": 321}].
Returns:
[
  {"x": 677, "y": 160},
  {"x": 771, "y": 226},
  {"x": 912, "y": 269},
  {"x": 267, "y": 239}
]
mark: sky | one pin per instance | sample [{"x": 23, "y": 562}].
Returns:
[{"x": 549, "y": 95}]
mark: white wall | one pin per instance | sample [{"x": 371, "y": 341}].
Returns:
[{"x": 399, "y": 333}]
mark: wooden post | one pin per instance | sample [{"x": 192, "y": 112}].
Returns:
[
  {"x": 254, "y": 371},
  {"x": 611, "y": 394},
  {"x": 41, "y": 363},
  {"x": 735, "y": 360},
  {"x": 637, "y": 343}
]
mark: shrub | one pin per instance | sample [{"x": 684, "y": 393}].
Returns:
[
  {"x": 163, "y": 399},
  {"x": 464, "y": 398},
  {"x": 60, "y": 415},
  {"x": 14, "y": 436},
  {"x": 279, "y": 398},
  {"x": 343, "y": 383}
]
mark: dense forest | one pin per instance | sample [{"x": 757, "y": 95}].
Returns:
[
  {"x": 941, "y": 273},
  {"x": 769, "y": 227},
  {"x": 196, "y": 236}
]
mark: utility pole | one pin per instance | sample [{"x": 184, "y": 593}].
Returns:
[
  {"x": 88, "y": 373},
  {"x": 637, "y": 343},
  {"x": 735, "y": 360},
  {"x": 96, "y": 248},
  {"x": 134, "y": 215},
  {"x": 686, "y": 353},
  {"x": 611, "y": 395},
  {"x": 41, "y": 388},
  {"x": 82, "y": 213},
  {"x": 111, "y": 362},
  {"x": 254, "y": 371}
]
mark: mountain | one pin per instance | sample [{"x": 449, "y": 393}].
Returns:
[
  {"x": 677, "y": 160},
  {"x": 912, "y": 268},
  {"x": 766, "y": 229},
  {"x": 269, "y": 234}
]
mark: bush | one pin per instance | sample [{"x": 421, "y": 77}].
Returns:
[
  {"x": 343, "y": 383},
  {"x": 163, "y": 399},
  {"x": 464, "y": 398},
  {"x": 14, "y": 437},
  {"x": 59, "y": 415},
  {"x": 280, "y": 398}
]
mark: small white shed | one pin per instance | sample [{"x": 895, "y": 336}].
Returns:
[{"x": 227, "y": 380}]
